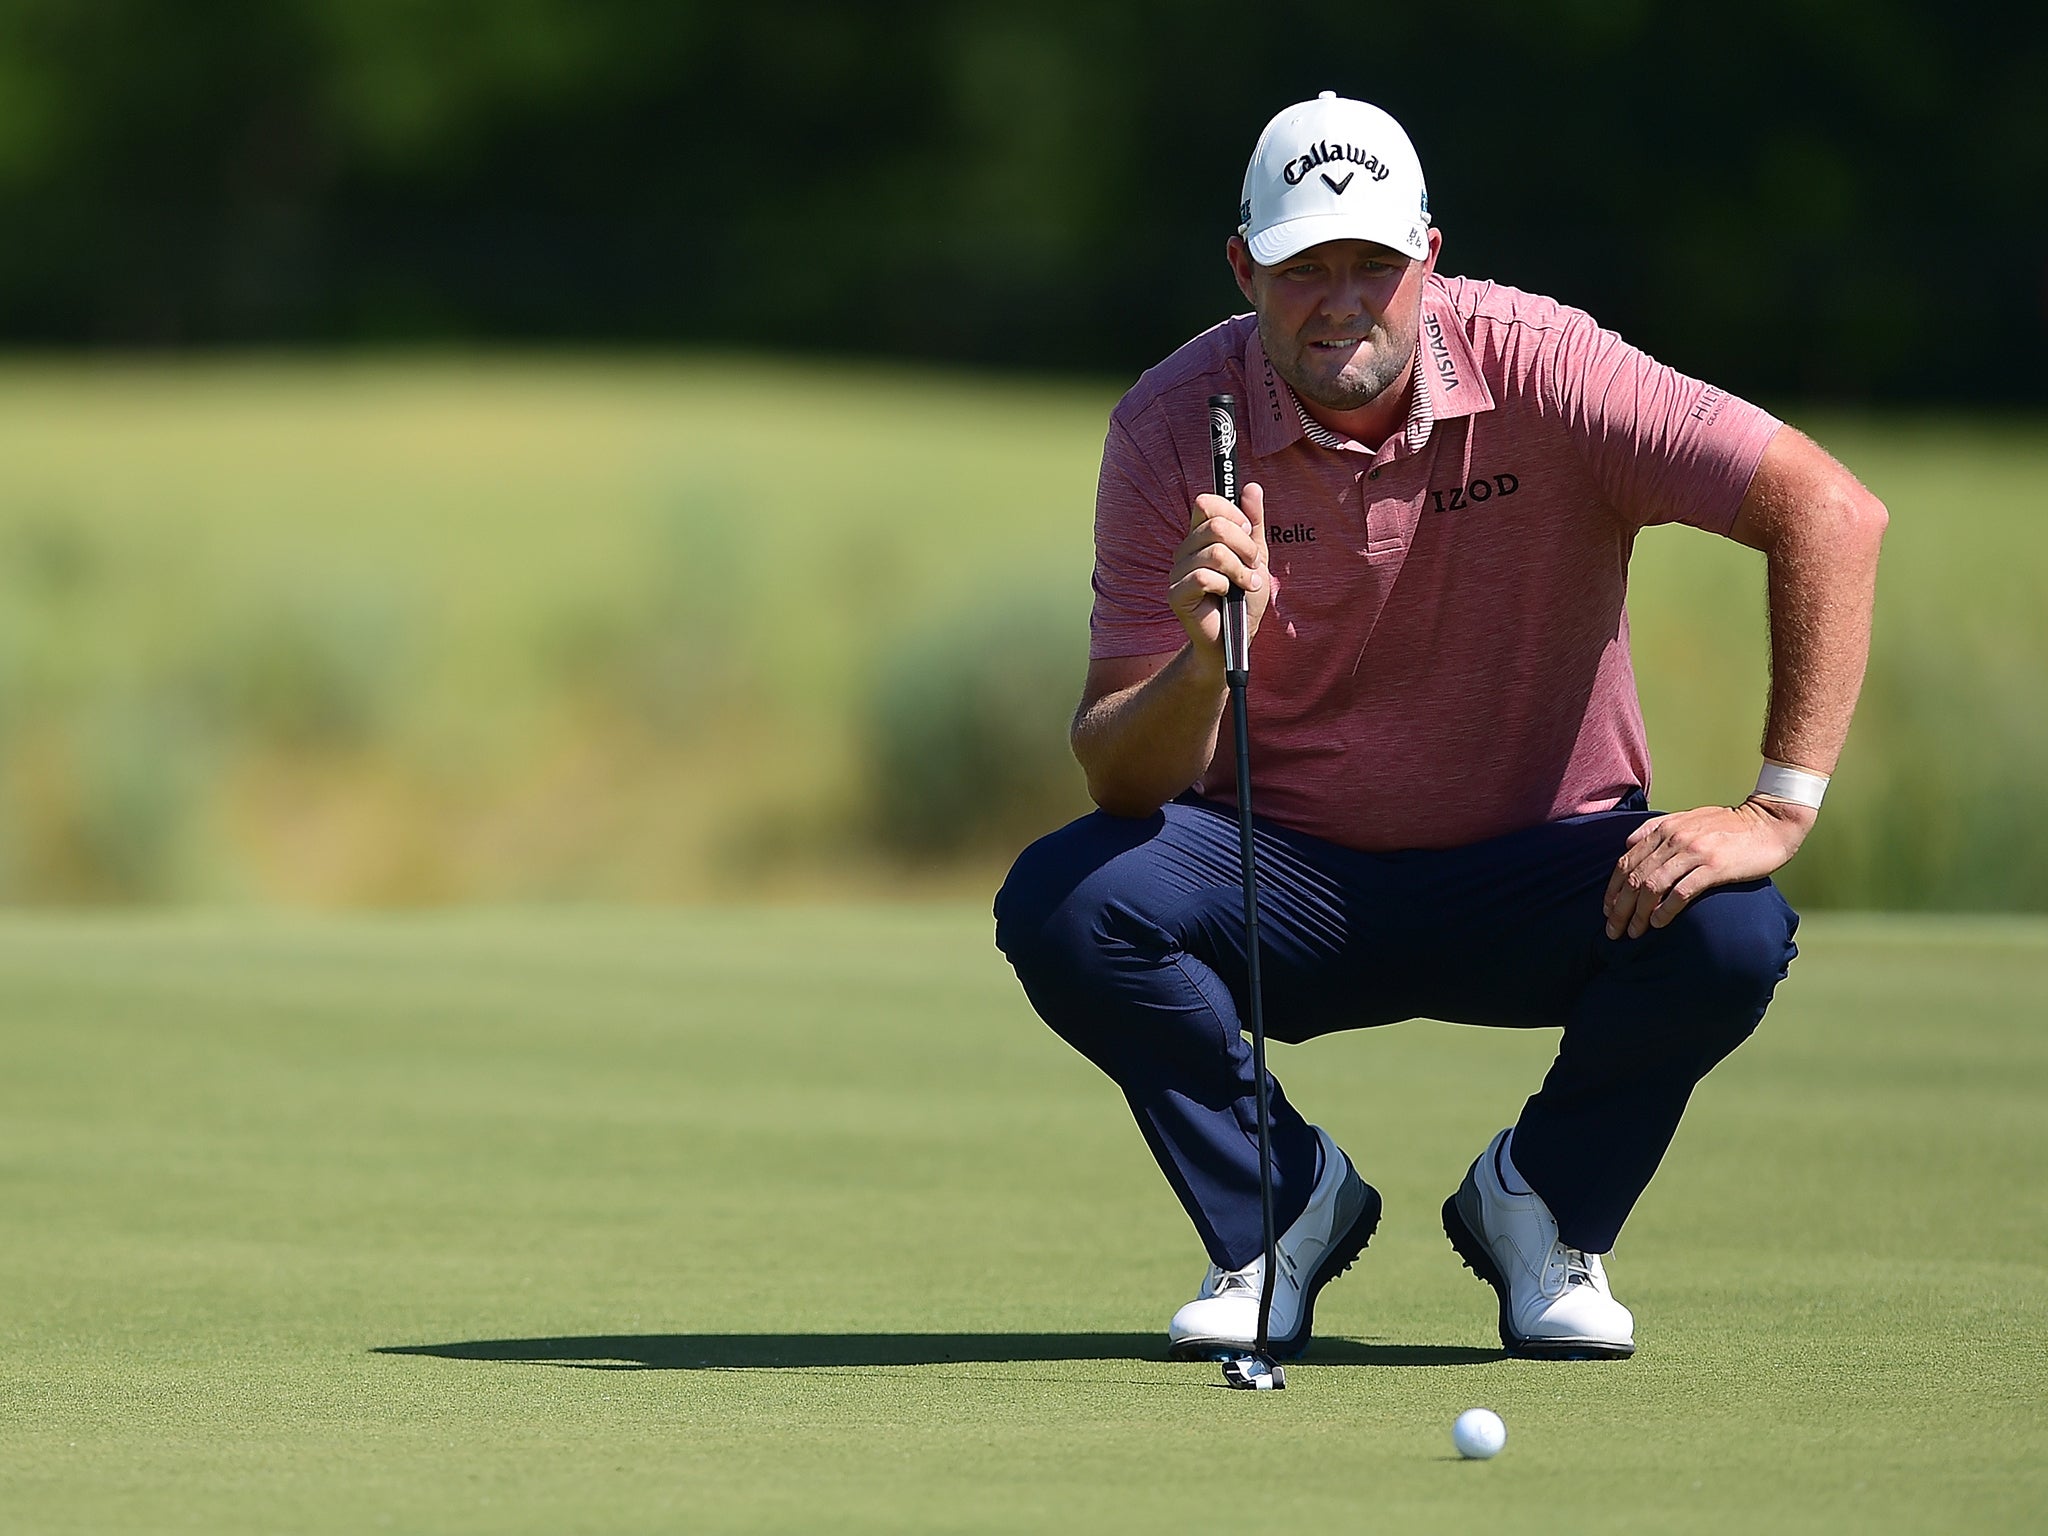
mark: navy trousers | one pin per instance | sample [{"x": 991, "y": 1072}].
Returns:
[{"x": 1128, "y": 935}]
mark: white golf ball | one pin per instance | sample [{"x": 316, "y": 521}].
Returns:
[{"x": 1479, "y": 1434}]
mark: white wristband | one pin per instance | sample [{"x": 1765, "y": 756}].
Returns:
[{"x": 1793, "y": 784}]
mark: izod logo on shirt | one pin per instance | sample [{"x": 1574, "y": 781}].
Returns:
[{"x": 1485, "y": 488}]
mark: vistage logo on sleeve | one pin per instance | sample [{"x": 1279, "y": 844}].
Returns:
[{"x": 1440, "y": 352}]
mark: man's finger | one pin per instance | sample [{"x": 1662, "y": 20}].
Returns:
[
  {"x": 1625, "y": 914},
  {"x": 1225, "y": 531},
  {"x": 1640, "y": 881},
  {"x": 1644, "y": 844},
  {"x": 1647, "y": 829},
  {"x": 1616, "y": 884},
  {"x": 1252, "y": 499},
  {"x": 1220, "y": 556},
  {"x": 1682, "y": 895},
  {"x": 1235, "y": 537},
  {"x": 1656, "y": 865},
  {"x": 1208, "y": 507},
  {"x": 1657, "y": 885},
  {"x": 1194, "y": 587},
  {"x": 1631, "y": 860},
  {"x": 1620, "y": 907}
]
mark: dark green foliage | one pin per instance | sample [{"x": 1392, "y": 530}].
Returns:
[
  {"x": 965, "y": 736},
  {"x": 1788, "y": 200}
]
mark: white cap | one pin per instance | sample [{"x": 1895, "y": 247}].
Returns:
[{"x": 1333, "y": 169}]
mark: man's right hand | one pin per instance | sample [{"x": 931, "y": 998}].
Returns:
[
  {"x": 1226, "y": 548},
  {"x": 1147, "y": 725}
]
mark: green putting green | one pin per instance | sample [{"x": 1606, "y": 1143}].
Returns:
[{"x": 797, "y": 1220}]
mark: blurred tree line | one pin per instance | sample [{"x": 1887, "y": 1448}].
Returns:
[{"x": 1839, "y": 198}]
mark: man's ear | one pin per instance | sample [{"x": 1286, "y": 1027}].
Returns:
[
  {"x": 1436, "y": 245},
  {"x": 1239, "y": 255}
]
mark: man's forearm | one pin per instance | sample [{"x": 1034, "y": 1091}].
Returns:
[
  {"x": 1142, "y": 745},
  {"x": 1819, "y": 529},
  {"x": 1823, "y": 585}
]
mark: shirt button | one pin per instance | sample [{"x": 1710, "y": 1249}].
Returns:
[{"x": 1372, "y": 474}]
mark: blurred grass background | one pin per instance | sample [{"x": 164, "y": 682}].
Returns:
[
  {"x": 596, "y": 449},
  {"x": 426, "y": 628}
]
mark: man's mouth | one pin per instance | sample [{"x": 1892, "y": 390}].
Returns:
[{"x": 1341, "y": 343}]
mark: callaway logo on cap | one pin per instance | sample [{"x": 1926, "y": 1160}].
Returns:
[{"x": 1333, "y": 169}]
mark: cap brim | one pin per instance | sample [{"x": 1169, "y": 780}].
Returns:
[{"x": 1273, "y": 245}]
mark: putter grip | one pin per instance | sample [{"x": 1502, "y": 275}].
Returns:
[{"x": 1237, "y": 640}]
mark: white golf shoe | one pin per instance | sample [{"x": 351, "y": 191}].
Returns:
[
  {"x": 1223, "y": 1318},
  {"x": 1554, "y": 1301}
]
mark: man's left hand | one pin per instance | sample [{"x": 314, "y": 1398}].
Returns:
[{"x": 1673, "y": 859}]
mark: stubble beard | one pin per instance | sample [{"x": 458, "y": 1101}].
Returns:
[{"x": 1356, "y": 385}]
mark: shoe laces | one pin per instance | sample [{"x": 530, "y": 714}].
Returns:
[
  {"x": 1229, "y": 1280},
  {"x": 1252, "y": 1277},
  {"x": 1577, "y": 1270}
]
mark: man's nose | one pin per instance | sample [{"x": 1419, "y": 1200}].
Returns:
[{"x": 1347, "y": 300}]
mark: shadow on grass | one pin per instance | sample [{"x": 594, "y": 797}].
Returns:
[{"x": 783, "y": 1351}]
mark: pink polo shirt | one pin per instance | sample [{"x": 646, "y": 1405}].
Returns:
[{"x": 1445, "y": 657}]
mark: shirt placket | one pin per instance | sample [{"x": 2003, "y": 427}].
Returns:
[{"x": 1390, "y": 518}]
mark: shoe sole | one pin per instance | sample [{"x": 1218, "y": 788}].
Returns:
[
  {"x": 1340, "y": 1256},
  {"x": 1479, "y": 1259}
]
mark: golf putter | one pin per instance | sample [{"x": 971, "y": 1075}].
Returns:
[{"x": 1257, "y": 1371}]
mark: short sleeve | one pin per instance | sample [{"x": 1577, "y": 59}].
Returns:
[
  {"x": 1141, "y": 517},
  {"x": 1663, "y": 447}
]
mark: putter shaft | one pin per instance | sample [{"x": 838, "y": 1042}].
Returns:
[
  {"x": 1247, "y": 859},
  {"x": 1237, "y": 667}
]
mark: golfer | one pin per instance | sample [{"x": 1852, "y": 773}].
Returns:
[{"x": 1444, "y": 479}]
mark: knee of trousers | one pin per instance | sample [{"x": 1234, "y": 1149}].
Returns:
[
  {"x": 1029, "y": 899},
  {"x": 1724, "y": 956},
  {"x": 1075, "y": 928},
  {"x": 1053, "y": 905}
]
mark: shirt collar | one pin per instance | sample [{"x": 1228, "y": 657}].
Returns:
[
  {"x": 1447, "y": 385},
  {"x": 1275, "y": 415},
  {"x": 1448, "y": 369}
]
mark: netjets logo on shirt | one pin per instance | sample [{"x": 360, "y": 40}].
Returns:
[{"x": 1338, "y": 155}]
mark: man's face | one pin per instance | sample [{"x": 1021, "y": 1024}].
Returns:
[{"x": 1338, "y": 321}]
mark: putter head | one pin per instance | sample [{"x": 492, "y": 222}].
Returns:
[{"x": 1253, "y": 1373}]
